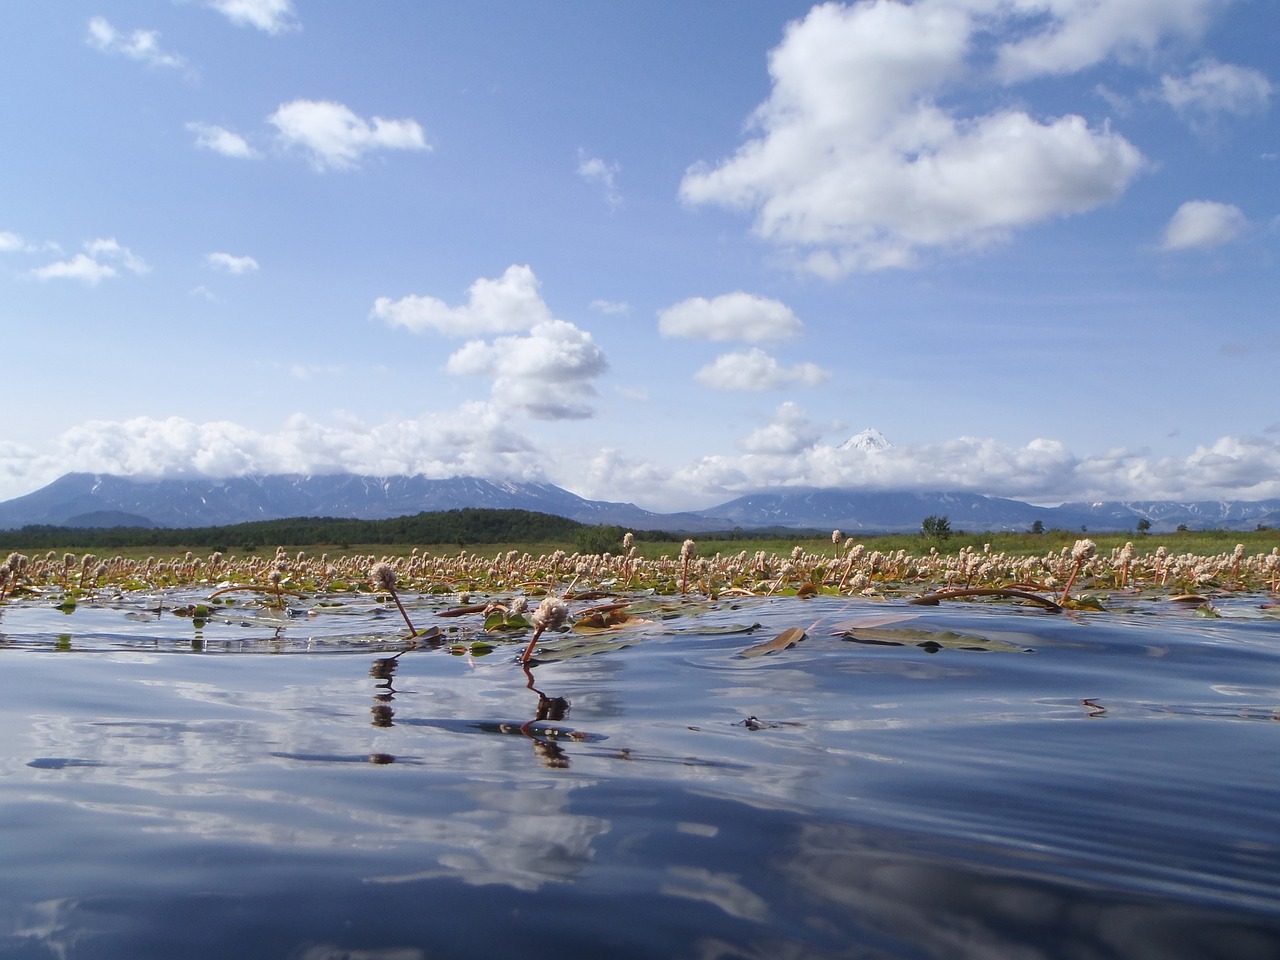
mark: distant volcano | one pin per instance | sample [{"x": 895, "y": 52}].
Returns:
[{"x": 868, "y": 439}]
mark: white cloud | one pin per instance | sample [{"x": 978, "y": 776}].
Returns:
[
  {"x": 1216, "y": 88},
  {"x": 1065, "y": 36},
  {"x": 269, "y": 16},
  {"x": 335, "y": 138},
  {"x": 1201, "y": 224},
  {"x": 732, "y": 316},
  {"x": 229, "y": 263},
  {"x": 601, "y": 172},
  {"x": 787, "y": 433},
  {"x": 547, "y": 375},
  {"x": 509, "y": 303},
  {"x": 478, "y": 439},
  {"x": 857, "y": 166},
  {"x": 756, "y": 371},
  {"x": 109, "y": 248},
  {"x": 91, "y": 267},
  {"x": 475, "y": 439},
  {"x": 141, "y": 45},
  {"x": 15, "y": 243},
  {"x": 610, "y": 307},
  {"x": 80, "y": 267},
  {"x": 223, "y": 141},
  {"x": 1042, "y": 471}
]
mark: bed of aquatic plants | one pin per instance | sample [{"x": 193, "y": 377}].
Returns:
[{"x": 476, "y": 601}]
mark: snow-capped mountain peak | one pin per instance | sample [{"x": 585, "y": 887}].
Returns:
[{"x": 868, "y": 439}]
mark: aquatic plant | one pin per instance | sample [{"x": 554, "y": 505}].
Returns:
[
  {"x": 550, "y": 615},
  {"x": 383, "y": 577},
  {"x": 1081, "y": 553}
]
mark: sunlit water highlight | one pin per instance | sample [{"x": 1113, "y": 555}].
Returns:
[{"x": 970, "y": 780}]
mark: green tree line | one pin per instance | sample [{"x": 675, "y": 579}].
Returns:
[{"x": 463, "y": 527}]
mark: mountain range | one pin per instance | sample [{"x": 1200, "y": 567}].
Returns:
[{"x": 102, "y": 500}]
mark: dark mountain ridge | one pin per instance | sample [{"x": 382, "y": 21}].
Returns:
[{"x": 102, "y": 500}]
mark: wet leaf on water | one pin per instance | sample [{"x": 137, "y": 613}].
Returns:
[
  {"x": 787, "y": 639},
  {"x": 873, "y": 620},
  {"x": 499, "y": 621},
  {"x": 931, "y": 641},
  {"x": 612, "y": 620}
]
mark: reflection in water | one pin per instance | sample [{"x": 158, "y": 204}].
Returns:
[
  {"x": 552, "y": 709},
  {"x": 877, "y": 801},
  {"x": 913, "y": 895}
]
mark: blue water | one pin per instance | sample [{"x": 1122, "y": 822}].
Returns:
[{"x": 968, "y": 780}]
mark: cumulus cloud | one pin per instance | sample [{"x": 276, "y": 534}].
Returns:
[
  {"x": 95, "y": 265},
  {"x": 857, "y": 165},
  {"x": 141, "y": 45},
  {"x": 756, "y": 371},
  {"x": 1041, "y": 471},
  {"x": 787, "y": 433},
  {"x": 732, "y": 316},
  {"x": 604, "y": 174},
  {"x": 502, "y": 305},
  {"x": 230, "y": 263},
  {"x": 475, "y": 439},
  {"x": 269, "y": 16},
  {"x": 80, "y": 267},
  {"x": 478, "y": 439},
  {"x": 1202, "y": 224},
  {"x": 547, "y": 375},
  {"x": 1216, "y": 88},
  {"x": 223, "y": 141},
  {"x": 335, "y": 138}
]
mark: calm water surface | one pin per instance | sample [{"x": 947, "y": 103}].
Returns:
[{"x": 960, "y": 781}]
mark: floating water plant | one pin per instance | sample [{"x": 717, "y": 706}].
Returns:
[
  {"x": 550, "y": 615},
  {"x": 1081, "y": 553},
  {"x": 383, "y": 577}
]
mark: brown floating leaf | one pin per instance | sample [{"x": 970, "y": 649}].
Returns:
[
  {"x": 785, "y": 640},
  {"x": 931, "y": 599}
]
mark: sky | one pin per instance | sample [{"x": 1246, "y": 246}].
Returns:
[{"x": 659, "y": 252}]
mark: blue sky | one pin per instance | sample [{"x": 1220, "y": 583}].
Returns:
[{"x": 658, "y": 252}]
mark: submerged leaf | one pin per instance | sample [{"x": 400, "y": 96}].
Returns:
[
  {"x": 787, "y": 639},
  {"x": 931, "y": 641}
]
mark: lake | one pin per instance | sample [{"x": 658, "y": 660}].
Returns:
[{"x": 967, "y": 780}]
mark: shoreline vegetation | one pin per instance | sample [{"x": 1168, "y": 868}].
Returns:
[
  {"x": 485, "y": 530},
  {"x": 564, "y": 559}
]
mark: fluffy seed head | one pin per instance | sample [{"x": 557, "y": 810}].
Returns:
[
  {"x": 1083, "y": 550},
  {"x": 552, "y": 612},
  {"x": 383, "y": 577}
]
